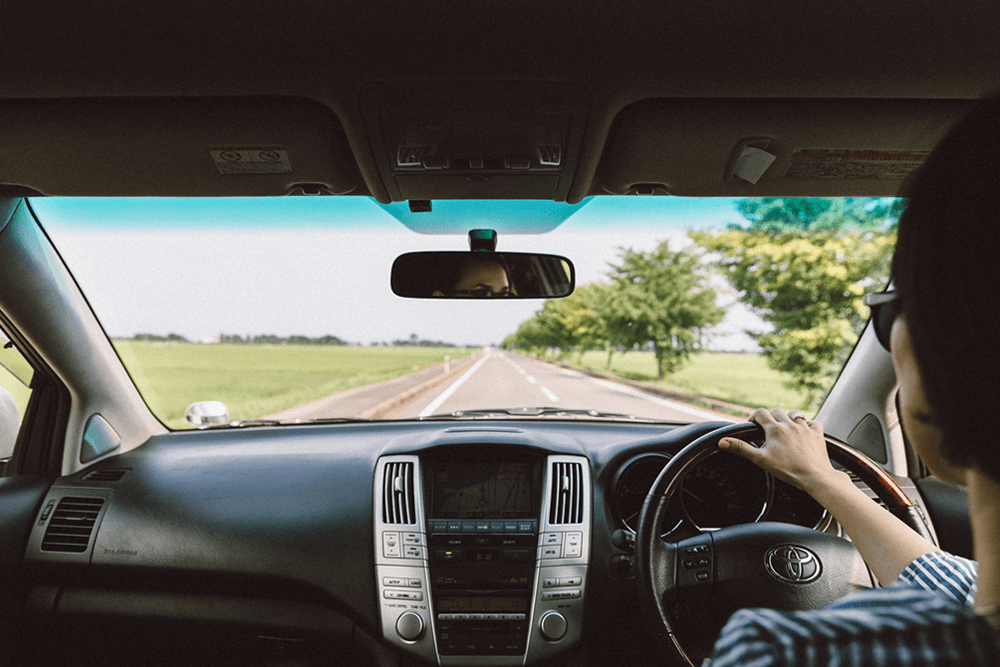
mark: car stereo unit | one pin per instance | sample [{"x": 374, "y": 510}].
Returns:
[{"x": 482, "y": 557}]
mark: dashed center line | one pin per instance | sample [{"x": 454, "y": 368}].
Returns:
[{"x": 545, "y": 390}]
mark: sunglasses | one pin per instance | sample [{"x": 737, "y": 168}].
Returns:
[{"x": 885, "y": 308}]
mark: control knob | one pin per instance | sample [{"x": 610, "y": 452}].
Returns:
[
  {"x": 410, "y": 626},
  {"x": 553, "y": 626}
]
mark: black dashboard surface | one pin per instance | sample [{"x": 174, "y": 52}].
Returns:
[{"x": 273, "y": 527}]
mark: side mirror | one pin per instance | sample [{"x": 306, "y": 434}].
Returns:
[
  {"x": 482, "y": 275},
  {"x": 205, "y": 414}
]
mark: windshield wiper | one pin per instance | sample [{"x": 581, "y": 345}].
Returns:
[{"x": 507, "y": 413}]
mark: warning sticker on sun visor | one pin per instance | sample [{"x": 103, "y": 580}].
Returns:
[
  {"x": 230, "y": 160},
  {"x": 848, "y": 164}
]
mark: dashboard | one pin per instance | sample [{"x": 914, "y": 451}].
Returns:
[{"x": 479, "y": 543}]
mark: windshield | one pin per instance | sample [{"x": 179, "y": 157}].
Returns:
[{"x": 684, "y": 310}]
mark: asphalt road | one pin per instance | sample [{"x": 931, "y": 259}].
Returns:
[{"x": 500, "y": 379}]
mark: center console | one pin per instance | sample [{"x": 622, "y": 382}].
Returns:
[{"x": 482, "y": 559}]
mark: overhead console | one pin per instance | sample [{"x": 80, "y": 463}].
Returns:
[
  {"x": 482, "y": 559},
  {"x": 470, "y": 140}
]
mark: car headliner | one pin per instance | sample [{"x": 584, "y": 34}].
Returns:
[{"x": 113, "y": 99}]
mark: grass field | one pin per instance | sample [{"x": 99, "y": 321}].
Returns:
[
  {"x": 256, "y": 380},
  {"x": 744, "y": 379}
]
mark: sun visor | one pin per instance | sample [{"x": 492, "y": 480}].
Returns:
[
  {"x": 749, "y": 148},
  {"x": 175, "y": 147}
]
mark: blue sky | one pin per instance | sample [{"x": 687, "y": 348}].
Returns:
[{"x": 320, "y": 265}]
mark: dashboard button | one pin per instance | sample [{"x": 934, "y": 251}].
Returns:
[
  {"x": 550, "y": 552},
  {"x": 390, "y": 545},
  {"x": 574, "y": 545},
  {"x": 562, "y": 595}
]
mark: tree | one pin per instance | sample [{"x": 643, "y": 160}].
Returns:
[
  {"x": 660, "y": 299},
  {"x": 782, "y": 214},
  {"x": 803, "y": 266}
]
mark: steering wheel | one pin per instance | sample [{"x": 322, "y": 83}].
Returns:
[{"x": 693, "y": 586}]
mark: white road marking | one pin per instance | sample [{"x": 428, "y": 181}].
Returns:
[
  {"x": 552, "y": 397},
  {"x": 531, "y": 379},
  {"x": 673, "y": 405},
  {"x": 446, "y": 394}
]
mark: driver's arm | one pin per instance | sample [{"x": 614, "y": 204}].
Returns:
[{"x": 795, "y": 452}]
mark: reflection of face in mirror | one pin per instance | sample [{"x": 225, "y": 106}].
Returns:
[{"x": 478, "y": 277}]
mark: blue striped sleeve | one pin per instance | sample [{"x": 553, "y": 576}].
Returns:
[
  {"x": 943, "y": 573},
  {"x": 903, "y": 624}
]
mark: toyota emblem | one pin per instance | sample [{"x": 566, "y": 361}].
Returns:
[{"x": 792, "y": 563}]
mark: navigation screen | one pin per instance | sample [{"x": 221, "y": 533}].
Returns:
[{"x": 484, "y": 490}]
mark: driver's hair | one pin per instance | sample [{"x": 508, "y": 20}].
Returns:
[{"x": 946, "y": 270}]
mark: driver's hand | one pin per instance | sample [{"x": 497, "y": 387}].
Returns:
[{"x": 794, "y": 450}]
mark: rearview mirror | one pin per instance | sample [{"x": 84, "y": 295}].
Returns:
[{"x": 482, "y": 275}]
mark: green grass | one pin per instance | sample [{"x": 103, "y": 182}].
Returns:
[
  {"x": 744, "y": 379},
  {"x": 256, "y": 380}
]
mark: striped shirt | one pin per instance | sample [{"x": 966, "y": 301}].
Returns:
[{"x": 924, "y": 619}]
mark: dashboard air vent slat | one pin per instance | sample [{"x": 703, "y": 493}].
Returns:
[
  {"x": 566, "y": 504},
  {"x": 110, "y": 475},
  {"x": 72, "y": 524},
  {"x": 397, "y": 494}
]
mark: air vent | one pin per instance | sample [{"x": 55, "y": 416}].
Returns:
[
  {"x": 110, "y": 475},
  {"x": 566, "y": 504},
  {"x": 72, "y": 524},
  {"x": 864, "y": 487},
  {"x": 397, "y": 494}
]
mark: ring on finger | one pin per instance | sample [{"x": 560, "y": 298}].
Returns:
[{"x": 796, "y": 415}]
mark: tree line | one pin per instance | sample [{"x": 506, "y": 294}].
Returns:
[{"x": 802, "y": 265}]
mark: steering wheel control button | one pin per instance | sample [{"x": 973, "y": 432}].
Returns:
[
  {"x": 694, "y": 561},
  {"x": 793, "y": 564},
  {"x": 553, "y": 626},
  {"x": 410, "y": 626}
]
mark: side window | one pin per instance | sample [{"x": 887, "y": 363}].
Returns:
[{"x": 15, "y": 382}]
